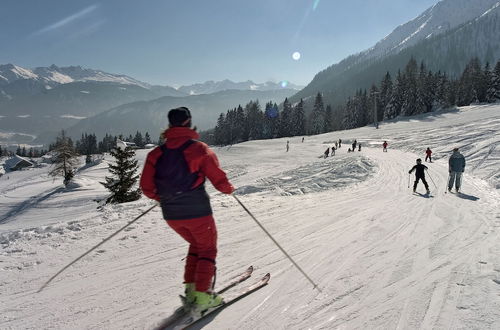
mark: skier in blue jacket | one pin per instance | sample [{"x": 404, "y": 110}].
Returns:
[{"x": 456, "y": 168}]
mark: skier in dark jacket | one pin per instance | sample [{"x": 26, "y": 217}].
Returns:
[
  {"x": 354, "y": 145},
  {"x": 419, "y": 175},
  {"x": 188, "y": 212},
  {"x": 327, "y": 151},
  {"x": 456, "y": 169}
]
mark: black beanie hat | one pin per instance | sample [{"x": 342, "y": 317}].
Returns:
[{"x": 179, "y": 117}]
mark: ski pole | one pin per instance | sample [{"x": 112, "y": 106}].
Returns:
[
  {"x": 315, "y": 286},
  {"x": 431, "y": 179},
  {"x": 409, "y": 175},
  {"x": 95, "y": 247}
]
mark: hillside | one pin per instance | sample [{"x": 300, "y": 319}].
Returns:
[
  {"x": 383, "y": 257},
  {"x": 151, "y": 116},
  {"x": 445, "y": 47}
]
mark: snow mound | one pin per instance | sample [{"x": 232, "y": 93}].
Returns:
[{"x": 332, "y": 173}]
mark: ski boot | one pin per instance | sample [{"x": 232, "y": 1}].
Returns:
[
  {"x": 204, "y": 301},
  {"x": 428, "y": 192},
  {"x": 188, "y": 298},
  {"x": 414, "y": 190}
]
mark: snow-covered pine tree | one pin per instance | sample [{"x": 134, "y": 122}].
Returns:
[
  {"x": 64, "y": 159},
  {"x": 123, "y": 178}
]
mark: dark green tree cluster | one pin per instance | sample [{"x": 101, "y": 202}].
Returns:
[
  {"x": 251, "y": 123},
  {"x": 123, "y": 171},
  {"x": 415, "y": 90}
]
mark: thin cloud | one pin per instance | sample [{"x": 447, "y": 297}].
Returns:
[{"x": 67, "y": 20}]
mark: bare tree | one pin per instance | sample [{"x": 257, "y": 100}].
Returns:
[{"x": 64, "y": 160}]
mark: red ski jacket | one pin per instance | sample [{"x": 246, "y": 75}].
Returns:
[{"x": 199, "y": 157}]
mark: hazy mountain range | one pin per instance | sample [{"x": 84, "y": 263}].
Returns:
[{"x": 47, "y": 99}]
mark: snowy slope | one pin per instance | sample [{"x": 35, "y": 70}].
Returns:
[{"x": 383, "y": 257}]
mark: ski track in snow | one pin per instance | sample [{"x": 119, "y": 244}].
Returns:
[{"x": 384, "y": 258}]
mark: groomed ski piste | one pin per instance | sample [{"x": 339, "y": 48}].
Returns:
[{"x": 384, "y": 258}]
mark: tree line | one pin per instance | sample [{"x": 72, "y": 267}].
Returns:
[{"x": 415, "y": 90}]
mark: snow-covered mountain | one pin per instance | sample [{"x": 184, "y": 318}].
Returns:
[
  {"x": 54, "y": 75},
  {"x": 445, "y": 37},
  {"x": 442, "y": 17},
  {"x": 211, "y": 86}
]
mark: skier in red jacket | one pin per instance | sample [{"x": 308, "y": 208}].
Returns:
[
  {"x": 428, "y": 154},
  {"x": 174, "y": 174}
]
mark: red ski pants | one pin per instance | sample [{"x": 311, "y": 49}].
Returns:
[{"x": 201, "y": 234}]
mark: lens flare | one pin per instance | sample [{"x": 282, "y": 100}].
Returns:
[
  {"x": 296, "y": 56},
  {"x": 315, "y": 4},
  {"x": 284, "y": 83}
]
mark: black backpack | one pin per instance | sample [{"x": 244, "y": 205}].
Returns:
[{"x": 172, "y": 176}]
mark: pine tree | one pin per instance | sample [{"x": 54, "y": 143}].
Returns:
[
  {"x": 19, "y": 150},
  {"x": 285, "y": 125},
  {"x": 495, "y": 83},
  {"x": 65, "y": 159},
  {"x": 123, "y": 178},
  {"x": 255, "y": 120},
  {"x": 385, "y": 95},
  {"x": 138, "y": 140},
  {"x": 147, "y": 138},
  {"x": 328, "y": 119},
  {"x": 219, "y": 133},
  {"x": 393, "y": 108},
  {"x": 410, "y": 92},
  {"x": 240, "y": 125},
  {"x": 317, "y": 117},
  {"x": 299, "y": 119}
]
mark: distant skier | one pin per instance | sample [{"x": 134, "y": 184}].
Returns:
[
  {"x": 456, "y": 169},
  {"x": 428, "y": 154},
  {"x": 333, "y": 151},
  {"x": 327, "y": 151},
  {"x": 336, "y": 144},
  {"x": 419, "y": 175},
  {"x": 384, "y": 145},
  {"x": 174, "y": 174},
  {"x": 359, "y": 146},
  {"x": 340, "y": 143},
  {"x": 354, "y": 145},
  {"x": 287, "y": 146},
  {"x": 302, "y": 139}
]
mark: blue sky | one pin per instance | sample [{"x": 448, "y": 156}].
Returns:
[{"x": 179, "y": 42}]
